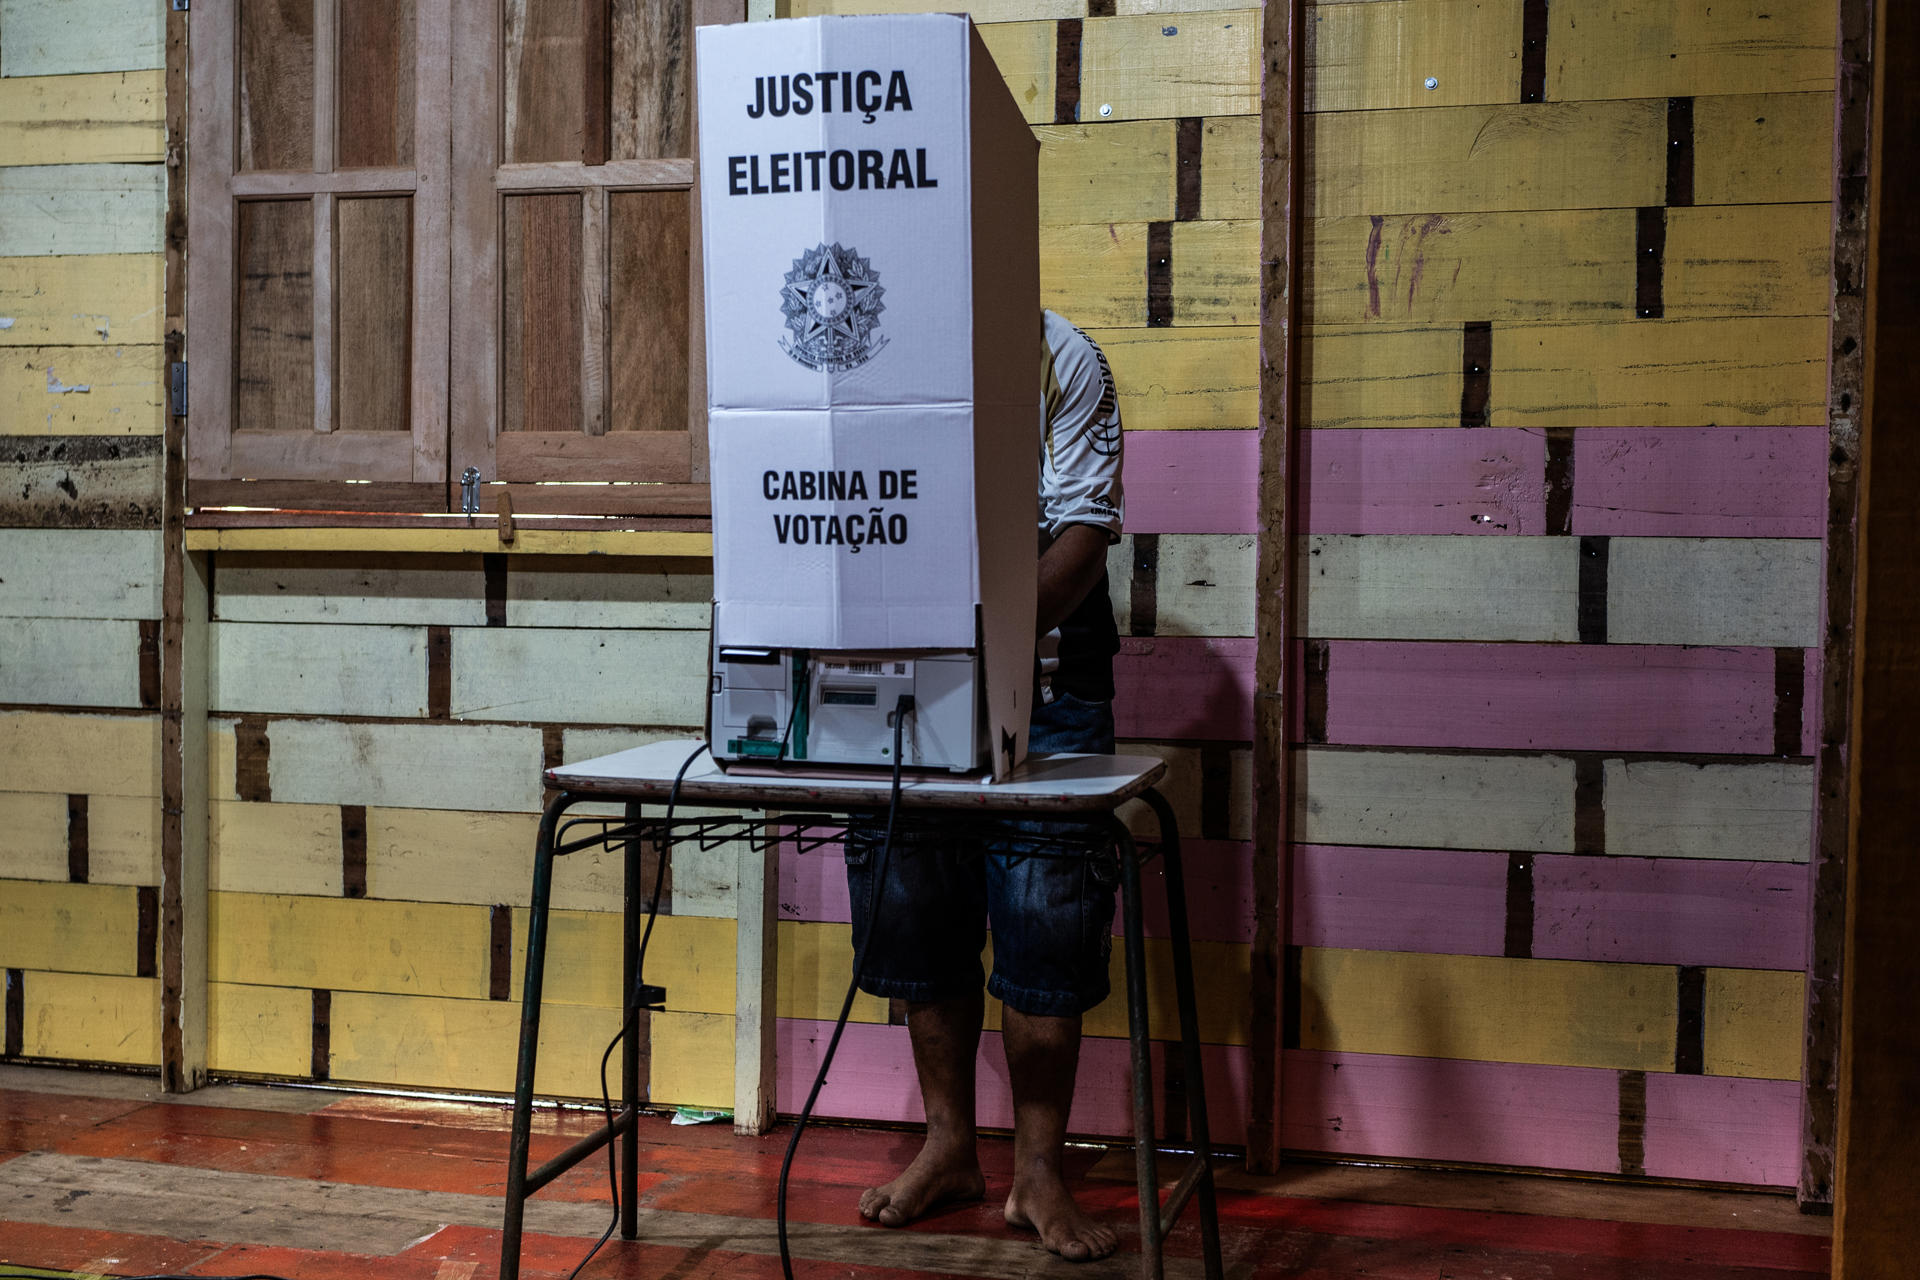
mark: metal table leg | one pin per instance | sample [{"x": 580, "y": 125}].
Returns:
[
  {"x": 630, "y": 1047},
  {"x": 1145, "y": 1155},
  {"x": 1199, "y": 1174},
  {"x": 529, "y": 1038}
]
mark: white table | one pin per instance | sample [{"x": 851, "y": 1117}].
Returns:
[{"x": 1061, "y": 787}]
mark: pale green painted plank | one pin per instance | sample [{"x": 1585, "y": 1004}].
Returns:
[
  {"x": 70, "y": 662},
  {"x": 81, "y": 209},
  {"x": 68, "y": 37},
  {"x": 79, "y": 573}
]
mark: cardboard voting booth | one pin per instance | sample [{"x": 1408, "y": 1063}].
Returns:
[{"x": 869, "y": 207}]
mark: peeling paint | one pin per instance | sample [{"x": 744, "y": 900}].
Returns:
[
  {"x": 6, "y": 322},
  {"x": 55, "y": 387}
]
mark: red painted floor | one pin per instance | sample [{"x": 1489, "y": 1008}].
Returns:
[{"x": 413, "y": 1148}]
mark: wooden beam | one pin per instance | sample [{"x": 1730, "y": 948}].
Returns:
[
  {"x": 1855, "y": 105},
  {"x": 483, "y": 538},
  {"x": 184, "y": 616},
  {"x": 1282, "y": 84},
  {"x": 1878, "y": 1109}
]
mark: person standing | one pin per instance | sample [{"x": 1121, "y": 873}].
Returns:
[{"x": 1052, "y": 916}]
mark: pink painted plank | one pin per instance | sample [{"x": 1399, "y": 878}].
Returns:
[
  {"x": 1490, "y": 480},
  {"x": 1219, "y": 880},
  {"x": 1550, "y": 697},
  {"x": 1438, "y": 1109},
  {"x": 1713, "y": 482},
  {"x": 1438, "y": 901},
  {"x": 1169, "y": 688},
  {"x": 873, "y": 1079},
  {"x": 1192, "y": 481},
  {"x": 813, "y": 885},
  {"x": 1719, "y": 1129},
  {"x": 1218, "y": 874},
  {"x": 1684, "y": 911}
]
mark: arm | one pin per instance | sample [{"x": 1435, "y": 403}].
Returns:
[{"x": 1068, "y": 570}]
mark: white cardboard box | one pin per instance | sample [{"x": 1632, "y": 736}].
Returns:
[{"x": 869, "y": 216}]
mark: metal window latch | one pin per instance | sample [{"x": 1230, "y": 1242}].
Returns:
[
  {"x": 470, "y": 493},
  {"x": 177, "y": 389},
  {"x": 181, "y": 6}
]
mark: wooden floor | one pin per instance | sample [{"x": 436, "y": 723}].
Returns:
[{"x": 102, "y": 1174}]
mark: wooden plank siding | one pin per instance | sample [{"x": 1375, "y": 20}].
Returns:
[{"x": 1550, "y": 674}]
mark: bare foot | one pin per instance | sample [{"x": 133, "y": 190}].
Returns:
[
  {"x": 937, "y": 1176},
  {"x": 1041, "y": 1202}
]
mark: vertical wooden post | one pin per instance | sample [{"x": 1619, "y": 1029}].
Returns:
[
  {"x": 1853, "y": 112},
  {"x": 1878, "y": 1171},
  {"x": 1280, "y": 124},
  {"x": 596, "y": 79},
  {"x": 183, "y": 664},
  {"x": 756, "y": 970}
]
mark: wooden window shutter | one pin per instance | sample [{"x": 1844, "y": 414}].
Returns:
[
  {"x": 577, "y": 332},
  {"x": 317, "y": 284}
]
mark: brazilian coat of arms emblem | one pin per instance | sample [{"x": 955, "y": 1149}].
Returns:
[{"x": 831, "y": 300}]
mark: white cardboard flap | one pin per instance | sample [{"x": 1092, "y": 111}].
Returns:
[
  {"x": 834, "y": 187},
  {"x": 844, "y": 528}
]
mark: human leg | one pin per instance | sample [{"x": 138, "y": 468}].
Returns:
[
  {"x": 1050, "y": 891},
  {"x": 928, "y": 928},
  {"x": 1042, "y": 1054},
  {"x": 945, "y": 1036}
]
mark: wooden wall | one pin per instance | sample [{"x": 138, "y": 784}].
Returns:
[
  {"x": 82, "y": 186},
  {"x": 1560, "y": 505}
]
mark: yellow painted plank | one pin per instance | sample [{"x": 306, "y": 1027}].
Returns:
[
  {"x": 1762, "y": 260},
  {"x": 691, "y": 1060},
  {"x": 1763, "y": 148},
  {"x": 1380, "y": 377},
  {"x": 1220, "y": 982},
  {"x": 1107, "y": 172},
  {"x": 1095, "y": 274},
  {"x": 221, "y": 766},
  {"x": 1446, "y": 268},
  {"x": 1024, "y": 53},
  {"x": 1754, "y": 1023},
  {"x": 347, "y": 944},
  {"x": 91, "y": 1018},
  {"x": 816, "y": 960},
  {"x": 81, "y": 300},
  {"x": 71, "y": 754},
  {"x": 1654, "y": 48},
  {"x": 123, "y": 839},
  {"x": 1145, "y": 68},
  {"x": 1362, "y": 57},
  {"x": 435, "y": 1043},
  {"x": 447, "y": 855},
  {"x": 1488, "y": 1008},
  {"x": 1752, "y": 260},
  {"x": 33, "y": 836},
  {"x": 1185, "y": 377},
  {"x": 1230, "y": 168},
  {"x": 275, "y": 848},
  {"x": 457, "y": 537},
  {"x": 691, "y": 956},
  {"x": 259, "y": 1030},
  {"x": 72, "y": 928},
  {"x": 1661, "y": 373},
  {"x": 113, "y": 116},
  {"x": 1216, "y": 273},
  {"x": 1585, "y": 155},
  {"x": 981, "y": 11},
  {"x": 87, "y": 391}
]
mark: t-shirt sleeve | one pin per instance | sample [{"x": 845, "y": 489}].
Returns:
[{"x": 1080, "y": 454}]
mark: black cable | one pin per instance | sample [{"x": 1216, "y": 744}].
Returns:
[
  {"x": 27, "y": 1271},
  {"x": 874, "y": 897},
  {"x": 633, "y": 1010}
]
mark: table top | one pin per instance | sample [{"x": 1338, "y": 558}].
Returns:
[{"x": 1063, "y": 783}]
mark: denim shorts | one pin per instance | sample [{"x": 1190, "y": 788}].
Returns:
[{"x": 1052, "y": 915}]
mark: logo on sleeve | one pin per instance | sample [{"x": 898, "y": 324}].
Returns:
[{"x": 831, "y": 300}]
